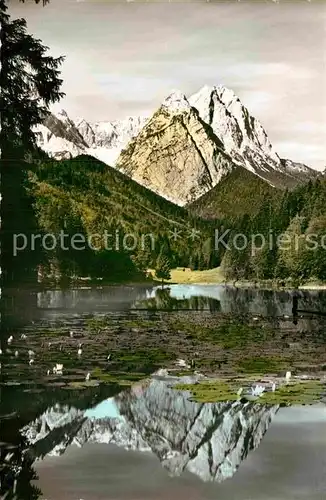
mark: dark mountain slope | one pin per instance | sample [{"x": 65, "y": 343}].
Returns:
[{"x": 240, "y": 192}]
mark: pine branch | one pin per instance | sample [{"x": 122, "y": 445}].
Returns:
[{"x": 38, "y": 1}]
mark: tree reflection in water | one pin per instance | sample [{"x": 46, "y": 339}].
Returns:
[
  {"x": 163, "y": 300},
  {"x": 16, "y": 465}
]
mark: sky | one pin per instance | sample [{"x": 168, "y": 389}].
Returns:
[{"x": 124, "y": 57}]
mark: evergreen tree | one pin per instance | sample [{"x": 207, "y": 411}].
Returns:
[
  {"x": 291, "y": 249},
  {"x": 236, "y": 262},
  {"x": 44, "y": 2},
  {"x": 313, "y": 257},
  {"x": 206, "y": 255},
  {"x": 163, "y": 267},
  {"x": 29, "y": 84},
  {"x": 263, "y": 262},
  {"x": 142, "y": 260}
]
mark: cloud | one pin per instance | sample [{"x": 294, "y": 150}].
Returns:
[
  {"x": 257, "y": 70},
  {"x": 251, "y": 72},
  {"x": 144, "y": 87},
  {"x": 306, "y": 153},
  {"x": 256, "y": 100},
  {"x": 307, "y": 127}
]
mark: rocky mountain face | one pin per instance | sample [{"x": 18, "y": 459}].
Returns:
[
  {"x": 188, "y": 146},
  {"x": 209, "y": 440},
  {"x": 175, "y": 154},
  {"x": 62, "y": 138},
  {"x": 183, "y": 150},
  {"x": 244, "y": 138}
]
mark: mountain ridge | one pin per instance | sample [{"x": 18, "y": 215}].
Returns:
[
  {"x": 176, "y": 154},
  {"x": 249, "y": 190},
  {"x": 223, "y": 135}
]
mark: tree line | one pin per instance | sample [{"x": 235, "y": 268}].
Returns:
[{"x": 294, "y": 230}]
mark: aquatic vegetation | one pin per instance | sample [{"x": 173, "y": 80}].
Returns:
[
  {"x": 121, "y": 378},
  {"x": 141, "y": 342},
  {"x": 137, "y": 323},
  {"x": 210, "y": 391},
  {"x": 228, "y": 334},
  {"x": 95, "y": 324},
  {"x": 262, "y": 365},
  {"x": 303, "y": 392},
  {"x": 141, "y": 360},
  {"x": 49, "y": 332},
  {"x": 82, "y": 384},
  {"x": 184, "y": 373}
]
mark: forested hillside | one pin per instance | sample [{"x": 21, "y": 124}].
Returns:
[
  {"x": 238, "y": 193},
  {"x": 85, "y": 196},
  {"x": 294, "y": 229}
]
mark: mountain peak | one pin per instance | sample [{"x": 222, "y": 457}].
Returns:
[
  {"x": 243, "y": 135},
  {"x": 62, "y": 114},
  {"x": 226, "y": 95},
  {"x": 176, "y": 101}
]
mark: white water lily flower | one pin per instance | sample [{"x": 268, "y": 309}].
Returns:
[
  {"x": 58, "y": 368},
  {"x": 257, "y": 390},
  {"x": 182, "y": 363}
]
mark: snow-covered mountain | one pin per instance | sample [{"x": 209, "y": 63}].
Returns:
[
  {"x": 183, "y": 149},
  {"x": 62, "y": 138},
  {"x": 243, "y": 136},
  {"x": 175, "y": 154},
  {"x": 209, "y": 440}
]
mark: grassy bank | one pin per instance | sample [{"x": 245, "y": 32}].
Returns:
[
  {"x": 215, "y": 276},
  {"x": 186, "y": 275}
]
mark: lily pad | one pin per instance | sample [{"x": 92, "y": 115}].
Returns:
[
  {"x": 297, "y": 393},
  {"x": 209, "y": 392},
  {"x": 306, "y": 393}
]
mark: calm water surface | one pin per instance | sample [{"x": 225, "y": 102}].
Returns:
[{"x": 209, "y": 297}]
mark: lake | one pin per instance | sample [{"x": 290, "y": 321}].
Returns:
[{"x": 130, "y": 431}]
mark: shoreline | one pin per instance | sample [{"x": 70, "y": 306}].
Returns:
[
  {"x": 179, "y": 276},
  {"x": 165, "y": 284}
]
